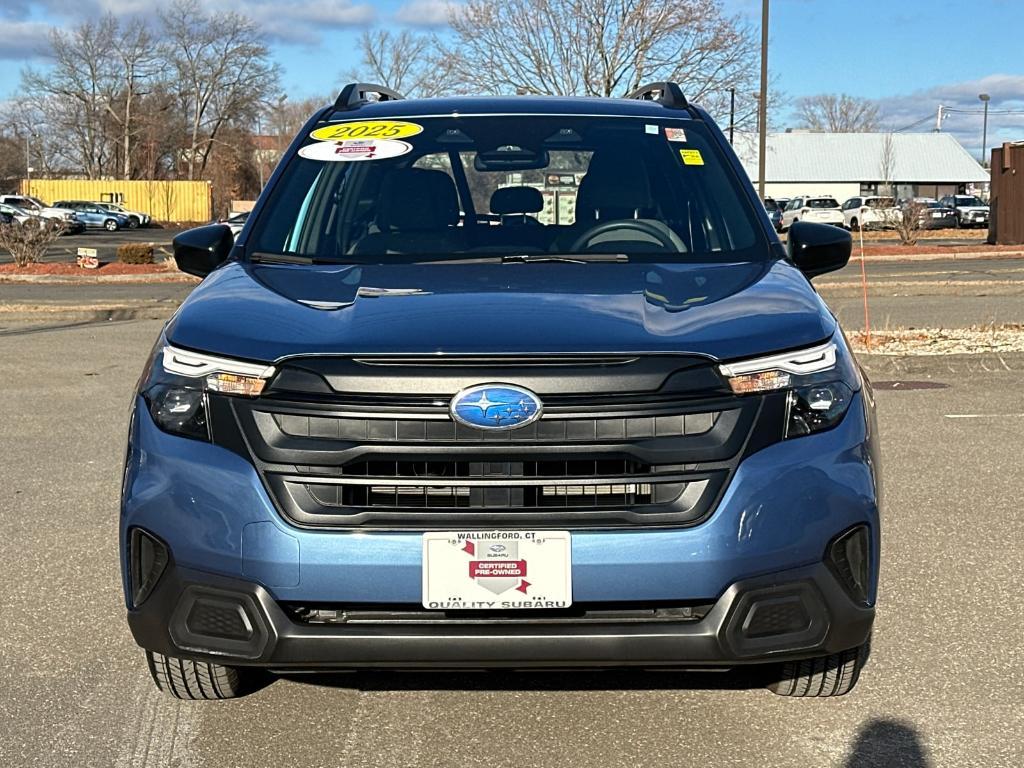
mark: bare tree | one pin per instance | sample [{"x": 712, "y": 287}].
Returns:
[
  {"x": 413, "y": 64},
  {"x": 86, "y": 101},
  {"x": 223, "y": 73},
  {"x": 27, "y": 241},
  {"x": 72, "y": 93},
  {"x": 135, "y": 48},
  {"x": 837, "y": 113},
  {"x": 908, "y": 221},
  {"x": 887, "y": 165},
  {"x": 604, "y": 48}
]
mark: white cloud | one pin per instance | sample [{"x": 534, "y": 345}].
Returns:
[
  {"x": 425, "y": 13},
  {"x": 288, "y": 22},
  {"x": 23, "y": 40},
  {"x": 1006, "y": 92}
]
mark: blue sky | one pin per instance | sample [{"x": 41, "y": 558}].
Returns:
[{"x": 910, "y": 54}]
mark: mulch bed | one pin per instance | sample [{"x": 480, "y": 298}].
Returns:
[{"x": 65, "y": 268}]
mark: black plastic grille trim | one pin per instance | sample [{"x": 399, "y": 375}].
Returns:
[{"x": 440, "y": 429}]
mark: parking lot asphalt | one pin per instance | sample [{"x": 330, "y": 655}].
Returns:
[
  {"x": 105, "y": 243},
  {"x": 944, "y": 686}
]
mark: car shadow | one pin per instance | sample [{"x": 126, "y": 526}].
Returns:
[
  {"x": 885, "y": 743},
  {"x": 533, "y": 680}
]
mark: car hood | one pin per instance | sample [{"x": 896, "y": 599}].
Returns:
[
  {"x": 971, "y": 208},
  {"x": 722, "y": 311}
]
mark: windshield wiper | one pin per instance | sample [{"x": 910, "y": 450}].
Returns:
[
  {"x": 282, "y": 258},
  {"x": 575, "y": 258}
]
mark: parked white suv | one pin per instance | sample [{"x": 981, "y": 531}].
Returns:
[
  {"x": 36, "y": 206},
  {"x": 821, "y": 210},
  {"x": 870, "y": 212}
]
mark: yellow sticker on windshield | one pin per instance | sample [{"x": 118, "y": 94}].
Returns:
[
  {"x": 367, "y": 129},
  {"x": 691, "y": 157}
]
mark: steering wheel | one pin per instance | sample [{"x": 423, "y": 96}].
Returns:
[{"x": 637, "y": 225}]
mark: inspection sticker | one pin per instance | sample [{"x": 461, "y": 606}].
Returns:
[
  {"x": 353, "y": 150},
  {"x": 496, "y": 570},
  {"x": 675, "y": 134},
  {"x": 691, "y": 157},
  {"x": 367, "y": 129}
]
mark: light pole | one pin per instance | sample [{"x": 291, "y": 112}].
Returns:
[
  {"x": 28, "y": 158},
  {"x": 984, "y": 127},
  {"x": 762, "y": 102},
  {"x": 732, "y": 113}
]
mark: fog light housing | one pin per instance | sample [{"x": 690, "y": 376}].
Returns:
[
  {"x": 849, "y": 559},
  {"x": 178, "y": 410},
  {"x": 147, "y": 557},
  {"x": 816, "y": 408}
]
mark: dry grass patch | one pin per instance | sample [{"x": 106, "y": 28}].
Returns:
[{"x": 979, "y": 339}]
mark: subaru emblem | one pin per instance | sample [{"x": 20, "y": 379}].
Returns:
[{"x": 495, "y": 406}]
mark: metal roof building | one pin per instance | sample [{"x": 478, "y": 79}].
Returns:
[{"x": 849, "y": 164}]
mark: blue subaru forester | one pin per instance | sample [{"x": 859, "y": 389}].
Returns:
[{"x": 503, "y": 382}]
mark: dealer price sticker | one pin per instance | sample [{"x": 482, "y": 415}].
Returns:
[{"x": 497, "y": 570}]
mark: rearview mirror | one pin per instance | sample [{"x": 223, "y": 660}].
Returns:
[
  {"x": 818, "y": 248},
  {"x": 510, "y": 158},
  {"x": 201, "y": 250}
]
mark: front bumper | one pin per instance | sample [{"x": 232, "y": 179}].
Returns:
[
  {"x": 768, "y": 532},
  {"x": 800, "y": 613}
]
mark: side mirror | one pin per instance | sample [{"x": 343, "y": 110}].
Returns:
[
  {"x": 201, "y": 250},
  {"x": 818, "y": 248}
]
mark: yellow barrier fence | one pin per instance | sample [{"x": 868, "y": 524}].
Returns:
[{"x": 171, "y": 201}]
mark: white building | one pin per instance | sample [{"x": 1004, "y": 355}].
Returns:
[{"x": 845, "y": 165}]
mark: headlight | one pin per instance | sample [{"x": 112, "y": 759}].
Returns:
[
  {"x": 820, "y": 381},
  {"x": 176, "y": 386}
]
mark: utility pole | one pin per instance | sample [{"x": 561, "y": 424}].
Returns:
[
  {"x": 259, "y": 153},
  {"x": 762, "y": 105},
  {"x": 28, "y": 160},
  {"x": 732, "y": 113},
  {"x": 938, "y": 120},
  {"x": 984, "y": 129}
]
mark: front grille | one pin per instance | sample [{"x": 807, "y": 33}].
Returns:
[
  {"x": 556, "y": 483},
  {"x": 602, "y": 455}
]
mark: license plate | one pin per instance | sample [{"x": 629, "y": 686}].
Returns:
[
  {"x": 938, "y": 215},
  {"x": 497, "y": 570}
]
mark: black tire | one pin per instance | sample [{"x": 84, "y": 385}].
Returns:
[
  {"x": 854, "y": 225},
  {"x": 197, "y": 680},
  {"x": 833, "y": 675},
  {"x": 110, "y": 225},
  {"x": 133, "y": 222}
]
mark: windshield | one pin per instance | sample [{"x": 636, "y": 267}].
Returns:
[
  {"x": 821, "y": 202},
  {"x": 968, "y": 200},
  {"x": 452, "y": 186}
]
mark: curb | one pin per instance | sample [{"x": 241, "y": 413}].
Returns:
[
  {"x": 951, "y": 256},
  {"x": 76, "y": 313},
  {"x": 155, "y": 277}
]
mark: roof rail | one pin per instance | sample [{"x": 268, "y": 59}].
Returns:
[
  {"x": 354, "y": 94},
  {"x": 667, "y": 93}
]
